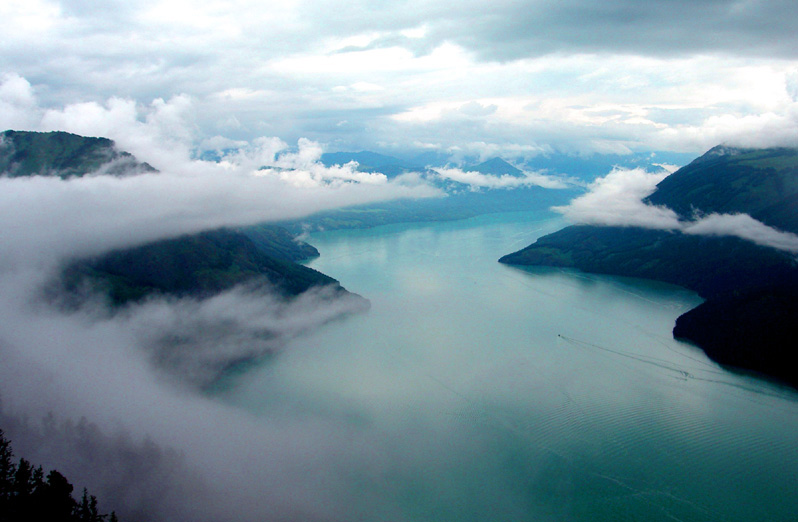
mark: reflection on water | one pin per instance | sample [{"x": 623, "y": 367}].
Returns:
[{"x": 477, "y": 391}]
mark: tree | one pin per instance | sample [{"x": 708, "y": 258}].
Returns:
[
  {"x": 87, "y": 509},
  {"x": 26, "y": 495},
  {"x": 7, "y": 472},
  {"x": 56, "y": 498}
]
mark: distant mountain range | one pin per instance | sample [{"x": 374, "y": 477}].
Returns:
[
  {"x": 574, "y": 166},
  {"x": 750, "y": 317},
  {"x": 374, "y": 162},
  {"x": 198, "y": 265},
  {"x": 462, "y": 201}
]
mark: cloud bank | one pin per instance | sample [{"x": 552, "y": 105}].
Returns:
[
  {"x": 570, "y": 76},
  {"x": 477, "y": 180},
  {"x": 135, "y": 373},
  {"x": 225, "y": 464},
  {"x": 617, "y": 200},
  {"x": 49, "y": 218}
]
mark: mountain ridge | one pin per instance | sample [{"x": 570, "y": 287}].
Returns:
[
  {"x": 199, "y": 264},
  {"x": 734, "y": 275}
]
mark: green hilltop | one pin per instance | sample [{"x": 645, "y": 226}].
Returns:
[
  {"x": 198, "y": 265},
  {"x": 759, "y": 182},
  {"x": 62, "y": 154}
]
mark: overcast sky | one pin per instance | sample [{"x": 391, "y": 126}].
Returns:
[{"x": 515, "y": 77}]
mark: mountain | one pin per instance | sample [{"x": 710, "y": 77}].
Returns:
[
  {"x": 199, "y": 265},
  {"x": 62, "y": 154},
  {"x": 711, "y": 266},
  {"x": 495, "y": 167},
  {"x": 754, "y": 329},
  {"x": 460, "y": 202},
  {"x": 585, "y": 167},
  {"x": 370, "y": 162},
  {"x": 759, "y": 182},
  {"x": 279, "y": 243},
  {"x": 751, "y": 291},
  {"x": 589, "y": 167}
]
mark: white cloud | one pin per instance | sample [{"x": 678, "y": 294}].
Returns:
[
  {"x": 617, "y": 200},
  {"x": 477, "y": 180},
  {"x": 84, "y": 216},
  {"x": 17, "y": 103},
  {"x": 111, "y": 367},
  {"x": 791, "y": 83},
  {"x": 294, "y": 80},
  {"x": 745, "y": 227},
  {"x": 755, "y": 130}
]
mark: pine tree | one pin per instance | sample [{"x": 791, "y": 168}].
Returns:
[
  {"x": 7, "y": 472},
  {"x": 57, "y": 498},
  {"x": 26, "y": 495},
  {"x": 87, "y": 509}
]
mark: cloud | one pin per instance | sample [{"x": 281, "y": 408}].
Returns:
[
  {"x": 745, "y": 227},
  {"x": 130, "y": 374},
  {"x": 617, "y": 200},
  {"x": 758, "y": 131},
  {"x": 476, "y": 109},
  {"x": 137, "y": 371},
  {"x": 791, "y": 83},
  {"x": 477, "y": 180},
  {"x": 194, "y": 340},
  {"x": 659, "y": 65},
  {"x": 17, "y": 103},
  {"x": 512, "y": 30},
  {"x": 46, "y": 219}
]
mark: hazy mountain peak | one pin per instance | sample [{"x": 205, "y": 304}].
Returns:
[{"x": 495, "y": 166}]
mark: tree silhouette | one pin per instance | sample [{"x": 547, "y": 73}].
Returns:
[{"x": 26, "y": 495}]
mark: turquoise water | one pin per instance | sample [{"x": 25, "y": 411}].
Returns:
[{"x": 476, "y": 391}]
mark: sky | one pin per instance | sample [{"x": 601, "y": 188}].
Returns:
[{"x": 512, "y": 78}]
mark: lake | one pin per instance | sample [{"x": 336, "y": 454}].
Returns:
[{"x": 476, "y": 391}]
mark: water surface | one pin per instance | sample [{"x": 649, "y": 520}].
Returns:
[{"x": 477, "y": 391}]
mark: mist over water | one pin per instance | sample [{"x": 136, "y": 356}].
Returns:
[
  {"x": 469, "y": 390},
  {"x": 476, "y": 391}
]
